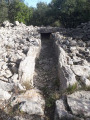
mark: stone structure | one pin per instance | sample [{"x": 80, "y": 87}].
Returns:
[
  {"x": 73, "y": 61},
  {"x": 73, "y": 52},
  {"x": 20, "y": 46}
]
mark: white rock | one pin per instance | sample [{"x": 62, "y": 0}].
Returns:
[
  {"x": 81, "y": 70},
  {"x": 61, "y": 113},
  {"x": 4, "y": 95},
  {"x": 66, "y": 75},
  {"x": 16, "y": 23},
  {"x": 79, "y": 103},
  {"x": 31, "y": 102},
  {"x": 85, "y": 81},
  {"x": 4, "y": 67},
  {"x": 27, "y": 66},
  {"x": 15, "y": 78},
  {"x": 6, "y": 23},
  {"x": 73, "y": 49},
  {"x": 6, "y": 86},
  {"x": 8, "y": 73},
  {"x": 26, "y": 71}
]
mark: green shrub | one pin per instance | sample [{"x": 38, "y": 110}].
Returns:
[
  {"x": 56, "y": 24},
  {"x": 71, "y": 89},
  {"x": 50, "y": 101}
]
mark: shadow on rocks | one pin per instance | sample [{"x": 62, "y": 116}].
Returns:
[{"x": 5, "y": 116}]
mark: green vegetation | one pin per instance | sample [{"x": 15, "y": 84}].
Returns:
[
  {"x": 19, "y": 11},
  {"x": 67, "y": 13},
  {"x": 71, "y": 12},
  {"x": 3, "y": 11},
  {"x": 50, "y": 101},
  {"x": 71, "y": 89}
]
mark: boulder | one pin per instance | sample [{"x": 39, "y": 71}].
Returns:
[
  {"x": 61, "y": 112},
  {"x": 79, "y": 103},
  {"x": 81, "y": 70},
  {"x": 27, "y": 66},
  {"x": 30, "y": 102},
  {"x": 26, "y": 71},
  {"x": 6, "y": 24},
  {"x": 66, "y": 75},
  {"x": 85, "y": 81},
  {"x": 16, "y": 23},
  {"x": 4, "y": 95},
  {"x": 6, "y": 86}
]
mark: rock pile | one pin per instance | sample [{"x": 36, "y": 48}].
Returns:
[
  {"x": 73, "y": 53},
  {"x": 19, "y": 47},
  {"x": 48, "y": 29},
  {"x": 73, "y": 107},
  {"x": 74, "y": 64},
  {"x": 82, "y": 32}
]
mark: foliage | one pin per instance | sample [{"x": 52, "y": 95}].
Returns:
[
  {"x": 71, "y": 89},
  {"x": 71, "y": 12},
  {"x": 40, "y": 14},
  {"x": 3, "y": 11},
  {"x": 56, "y": 24},
  {"x": 50, "y": 101},
  {"x": 67, "y": 13},
  {"x": 19, "y": 11}
]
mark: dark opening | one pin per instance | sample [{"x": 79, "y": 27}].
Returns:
[{"x": 45, "y": 36}]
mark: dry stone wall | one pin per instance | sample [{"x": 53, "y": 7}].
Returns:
[
  {"x": 20, "y": 46},
  {"x": 73, "y": 52},
  {"x": 73, "y": 61},
  {"x": 82, "y": 32}
]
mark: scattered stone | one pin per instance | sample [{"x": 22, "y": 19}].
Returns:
[{"x": 20, "y": 46}]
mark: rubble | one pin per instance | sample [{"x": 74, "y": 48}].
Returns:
[{"x": 27, "y": 64}]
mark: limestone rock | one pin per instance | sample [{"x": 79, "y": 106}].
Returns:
[
  {"x": 6, "y": 86},
  {"x": 30, "y": 102},
  {"x": 33, "y": 117},
  {"x": 16, "y": 23},
  {"x": 6, "y": 23},
  {"x": 79, "y": 103},
  {"x": 4, "y": 95},
  {"x": 73, "y": 57},
  {"x": 66, "y": 75},
  {"x": 27, "y": 66},
  {"x": 85, "y": 81},
  {"x": 81, "y": 70},
  {"x": 61, "y": 112}
]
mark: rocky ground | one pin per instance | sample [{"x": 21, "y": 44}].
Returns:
[
  {"x": 19, "y": 47},
  {"x": 73, "y": 52},
  {"x": 44, "y": 76}
]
